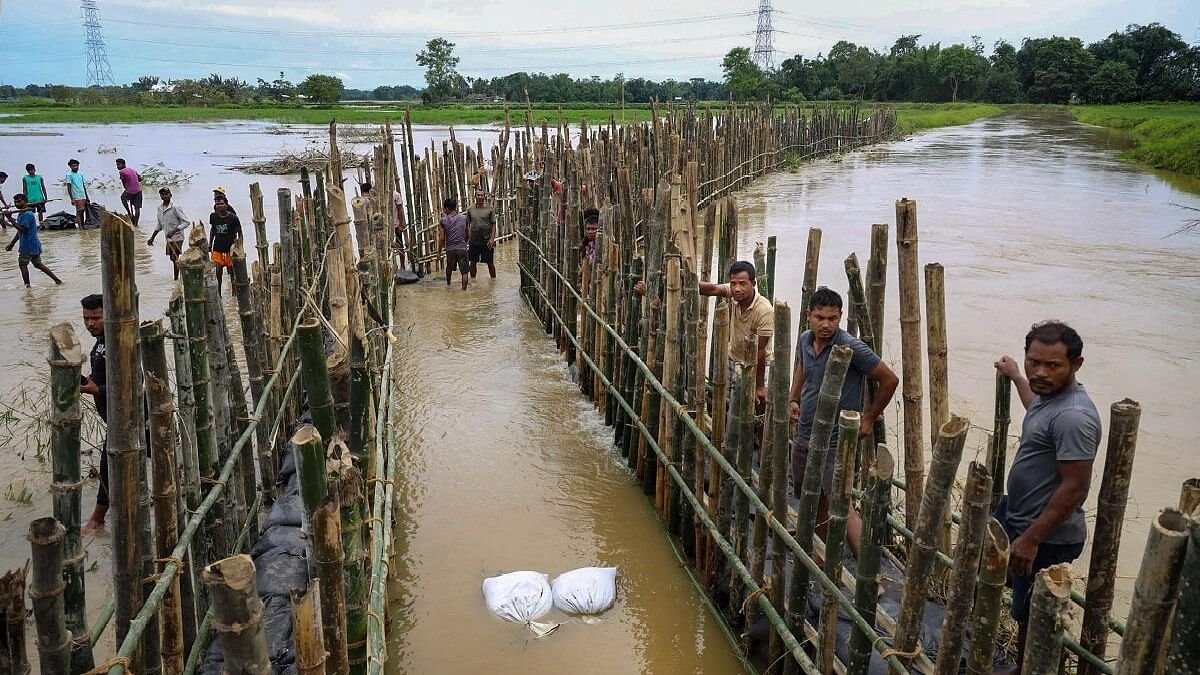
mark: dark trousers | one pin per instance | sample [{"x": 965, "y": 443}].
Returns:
[{"x": 1047, "y": 555}]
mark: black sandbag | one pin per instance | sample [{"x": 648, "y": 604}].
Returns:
[
  {"x": 58, "y": 221},
  {"x": 287, "y": 510},
  {"x": 406, "y": 277},
  {"x": 277, "y": 626},
  {"x": 92, "y": 216},
  {"x": 282, "y": 537}
]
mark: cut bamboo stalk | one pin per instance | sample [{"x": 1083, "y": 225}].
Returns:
[
  {"x": 212, "y": 539},
  {"x": 935, "y": 326},
  {"x": 998, "y": 446},
  {"x": 877, "y": 283},
  {"x": 237, "y": 615},
  {"x": 985, "y": 617},
  {"x": 46, "y": 591},
  {"x": 65, "y": 360},
  {"x": 760, "y": 268},
  {"x": 780, "y": 445},
  {"x": 310, "y": 341},
  {"x": 772, "y": 249},
  {"x": 848, "y": 424},
  {"x": 720, "y": 379},
  {"x": 1111, "y": 500},
  {"x": 971, "y": 531},
  {"x": 670, "y": 374},
  {"x": 310, "y": 464},
  {"x": 1049, "y": 614},
  {"x": 13, "y": 657},
  {"x": 327, "y": 551},
  {"x": 259, "y": 217},
  {"x": 876, "y": 504},
  {"x": 307, "y": 630},
  {"x": 165, "y": 494},
  {"x": 1183, "y": 654},
  {"x": 125, "y": 420},
  {"x": 946, "y": 456},
  {"x": 1154, "y": 593},
  {"x": 812, "y": 258},
  {"x": 255, "y": 358},
  {"x": 1189, "y": 496},
  {"x": 224, "y": 428},
  {"x": 729, "y": 450},
  {"x": 828, "y": 398},
  {"x": 910, "y": 349},
  {"x": 353, "y": 506},
  {"x": 739, "y": 535}
]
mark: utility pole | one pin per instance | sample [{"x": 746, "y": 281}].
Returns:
[
  {"x": 764, "y": 48},
  {"x": 98, "y": 71}
]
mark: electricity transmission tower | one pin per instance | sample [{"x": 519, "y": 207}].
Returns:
[
  {"x": 764, "y": 49},
  {"x": 98, "y": 70}
]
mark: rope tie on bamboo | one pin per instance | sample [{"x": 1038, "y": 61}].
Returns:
[
  {"x": 66, "y": 487},
  {"x": 170, "y": 559},
  {"x": 753, "y": 597},
  {"x": 903, "y": 655},
  {"x": 386, "y": 482},
  {"x": 373, "y": 519},
  {"x": 103, "y": 668},
  {"x": 36, "y": 595},
  {"x": 211, "y": 481}
]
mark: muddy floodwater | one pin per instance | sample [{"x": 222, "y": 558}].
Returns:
[{"x": 505, "y": 467}]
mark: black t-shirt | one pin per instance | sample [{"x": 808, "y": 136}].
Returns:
[
  {"x": 100, "y": 377},
  {"x": 225, "y": 230}
]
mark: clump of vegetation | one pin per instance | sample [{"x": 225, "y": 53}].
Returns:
[
  {"x": 1165, "y": 135},
  {"x": 289, "y": 162},
  {"x": 154, "y": 176}
]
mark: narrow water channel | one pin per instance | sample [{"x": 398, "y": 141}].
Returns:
[{"x": 505, "y": 467}]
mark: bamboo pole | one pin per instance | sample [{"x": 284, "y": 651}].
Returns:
[
  {"x": 998, "y": 445},
  {"x": 46, "y": 591},
  {"x": 125, "y": 420},
  {"x": 740, "y": 533},
  {"x": 935, "y": 326},
  {"x": 910, "y": 348},
  {"x": 310, "y": 341},
  {"x": 353, "y": 504},
  {"x": 237, "y": 615},
  {"x": 876, "y": 283},
  {"x": 985, "y": 617},
  {"x": 729, "y": 451},
  {"x": 253, "y": 348},
  {"x": 65, "y": 359},
  {"x": 760, "y": 270},
  {"x": 1183, "y": 654},
  {"x": 946, "y": 455},
  {"x": 876, "y": 503},
  {"x": 966, "y": 563},
  {"x": 780, "y": 445},
  {"x": 1189, "y": 496},
  {"x": 671, "y": 359},
  {"x": 165, "y": 495},
  {"x": 223, "y": 394},
  {"x": 1049, "y": 613},
  {"x": 839, "y": 508},
  {"x": 1154, "y": 592},
  {"x": 212, "y": 540},
  {"x": 772, "y": 249},
  {"x": 307, "y": 630},
  {"x": 327, "y": 551},
  {"x": 812, "y": 258},
  {"x": 190, "y": 493},
  {"x": 1111, "y": 500},
  {"x": 13, "y": 658},
  {"x": 720, "y": 380},
  {"x": 828, "y": 398}
]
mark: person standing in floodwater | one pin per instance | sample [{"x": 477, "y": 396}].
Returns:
[
  {"x": 96, "y": 384},
  {"x": 225, "y": 230},
  {"x": 1049, "y": 479},
  {"x": 824, "y": 314},
  {"x": 452, "y": 238},
  {"x": 173, "y": 222},
  {"x": 131, "y": 197},
  {"x": 27, "y": 234},
  {"x": 482, "y": 247},
  {"x": 3, "y": 201},
  {"x": 77, "y": 191},
  {"x": 35, "y": 191}
]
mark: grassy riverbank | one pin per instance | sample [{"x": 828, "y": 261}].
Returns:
[
  {"x": 915, "y": 117},
  {"x": 1165, "y": 135}
]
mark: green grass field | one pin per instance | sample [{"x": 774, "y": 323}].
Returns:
[
  {"x": 1165, "y": 135},
  {"x": 915, "y": 117}
]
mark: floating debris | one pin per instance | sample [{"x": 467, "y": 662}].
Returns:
[
  {"x": 106, "y": 150},
  {"x": 290, "y": 162},
  {"x": 156, "y": 175}
]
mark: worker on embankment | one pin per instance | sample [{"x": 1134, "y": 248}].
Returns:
[
  {"x": 824, "y": 313},
  {"x": 1043, "y": 510}
]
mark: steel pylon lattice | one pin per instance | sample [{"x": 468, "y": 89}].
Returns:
[
  {"x": 98, "y": 70},
  {"x": 764, "y": 47}
]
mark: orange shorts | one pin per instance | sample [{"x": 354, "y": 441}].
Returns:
[{"x": 222, "y": 259}]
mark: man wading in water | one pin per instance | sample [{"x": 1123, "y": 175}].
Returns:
[
  {"x": 1043, "y": 510},
  {"x": 27, "y": 234},
  {"x": 816, "y": 344},
  {"x": 226, "y": 229},
  {"x": 131, "y": 197},
  {"x": 172, "y": 220},
  {"x": 77, "y": 190},
  {"x": 452, "y": 238},
  {"x": 482, "y": 247}
]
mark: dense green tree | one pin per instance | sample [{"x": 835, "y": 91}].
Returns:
[
  {"x": 1113, "y": 82},
  {"x": 1054, "y": 69},
  {"x": 958, "y": 66},
  {"x": 321, "y": 88},
  {"x": 440, "y": 64},
  {"x": 746, "y": 81}
]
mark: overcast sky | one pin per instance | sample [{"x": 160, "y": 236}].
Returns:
[{"x": 372, "y": 42}]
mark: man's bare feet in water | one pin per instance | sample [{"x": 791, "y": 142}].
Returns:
[{"x": 96, "y": 522}]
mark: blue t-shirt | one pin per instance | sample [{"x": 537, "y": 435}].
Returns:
[
  {"x": 30, "y": 244},
  {"x": 76, "y": 180},
  {"x": 862, "y": 362}
]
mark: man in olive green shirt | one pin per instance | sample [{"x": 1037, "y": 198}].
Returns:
[{"x": 482, "y": 244}]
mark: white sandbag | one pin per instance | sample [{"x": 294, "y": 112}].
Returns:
[
  {"x": 518, "y": 596},
  {"x": 587, "y": 590}
]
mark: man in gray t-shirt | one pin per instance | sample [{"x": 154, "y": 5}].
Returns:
[
  {"x": 1049, "y": 479},
  {"x": 452, "y": 238}
]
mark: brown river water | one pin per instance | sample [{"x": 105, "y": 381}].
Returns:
[{"x": 505, "y": 467}]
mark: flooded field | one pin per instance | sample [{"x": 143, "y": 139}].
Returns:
[{"x": 506, "y": 467}]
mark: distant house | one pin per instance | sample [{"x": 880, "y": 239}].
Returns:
[{"x": 163, "y": 88}]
